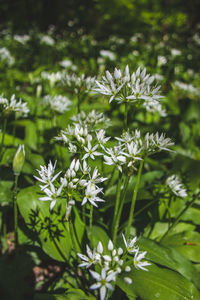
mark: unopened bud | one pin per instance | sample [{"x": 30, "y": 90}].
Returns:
[{"x": 18, "y": 160}]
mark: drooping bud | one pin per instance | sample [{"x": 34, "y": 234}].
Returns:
[{"x": 18, "y": 160}]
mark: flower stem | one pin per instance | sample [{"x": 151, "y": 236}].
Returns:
[
  {"x": 15, "y": 211},
  {"x": 116, "y": 225},
  {"x": 130, "y": 219},
  {"x": 91, "y": 216},
  {"x": 119, "y": 183},
  {"x": 178, "y": 217},
  {"x": 126, "y": 116},
  {"x": 3, "y": 135}
]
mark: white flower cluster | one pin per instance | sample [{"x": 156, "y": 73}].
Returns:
[
  {"x": 57, "y": 103},
  {"x": 22, "y": 39},
  {"x": 176, "y": 186},
  {"x": 78, "y": 181},
  {"x": 188, "y": 88},
  {"x": 52, "y": 77},
  {"x": 6, "y": 56},
  {"x": 12, "y": 105},
  {"x": 47, "y": 40},
  {"x": 126, "y": 87},
  {"x": 132, "y": 147},
  {"x": 83, "y": 135},
  {"x": 92, "y": 119},
  {"x": 107, "y": 54},
  {"x": 111, "y": 263},
  {"x": 79, "y": 84}
]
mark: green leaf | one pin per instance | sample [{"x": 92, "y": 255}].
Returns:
[
  {"x": 96, "y": 234},
  {"x": 186, "y": 243},
  {"x": 33, "y": 162},
  {"x": 170, "y": 258},
  {"x": 5, "y": 192},
  {"x": 79, "y": 228},
  {"x": 71, "y": 294},
  {"x": 158, "y": 283},
  {"x": 31, "y": 136},
  {"x": 51, "y": 228}
]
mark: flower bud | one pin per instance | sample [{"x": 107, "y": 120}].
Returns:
[{"x": 18, "y": 160}]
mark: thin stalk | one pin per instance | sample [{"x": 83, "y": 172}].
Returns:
[
  {"x": 72, "y": 235},
  {"x": 130, "y": 219},
  {"x": 117, "y": 202},
  {"x": 110, "y": 179},
  {"x": 126, "y": 116},
  {"x": 3, "y": 135},
  {"x": 91, "y": 216},
  {"x": 83, "y": 214},
  {"x": 178, "y": 218},
  {"x": 116, "y": 225},
  {"x": 15, "y": 211}
]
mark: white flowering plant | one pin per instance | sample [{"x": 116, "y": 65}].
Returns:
[{"x": 103, "y": 193}]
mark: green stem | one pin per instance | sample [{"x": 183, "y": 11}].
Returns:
[
  {"x": 126, "y": 116},
  {"x": 15, "y": 211},
  {"x": 178, "y": 217},
  {"x": 3, "y": 135},
  {"x": 91, "y": 216},
  {"x": 83, "y": 214},
  {"x": 119, "y": 183},
  {"x": 110, "y": 179},
  {"x": 72, "y": 234},
  {"x": 116, "y": 225},
  {"x": 130, "y": 219}
]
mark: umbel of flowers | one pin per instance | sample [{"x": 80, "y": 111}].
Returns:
[{"x": 82, "y": 184}]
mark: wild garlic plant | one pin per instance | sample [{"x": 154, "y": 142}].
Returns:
[
  {"x": 9, "y": 107},
  {"x": 82, "y": 186}
]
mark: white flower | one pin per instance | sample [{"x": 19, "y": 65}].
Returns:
[
  {"x": 154, "y": 142},
  {"x": 48, "y": 40},
  {"x": 126, "y": 87},
  {"x": 101, "y": 137},
  {"x": 52, "y": 77},
  {"x": 91, "y": 151},
  {"x": 47, "y": 175},
  {"x": 132, "y": 152},
  {"x": 91, "y": 195},
  {"x": 58, "y": 103},
  {"x": 176, "y": 186},
  {"x": 130, "y": 244},
  {"x": 6, "y": 56},
  {"x": 95, "y": 178},
  {"x": 52, "y": 194},
  {"x": 108, "y": 54},
  {"x": 137, "y": 260},
  {"x": 19, "y": 107},
  {"x": 128, "y": 280},
  {"x": 115, "y": 157},
  {"x": 92, "y": 258},
  {"x": 103, "y": 282},
  {"x": 175, "y": 52},
  {"x": 66, "y": 63}
]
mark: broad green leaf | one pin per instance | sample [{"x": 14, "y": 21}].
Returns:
[
  {"x": 186, "y": 243},
  {"x": 170, "y": 258},
  {"x": 158, "y": 283},
  {"x": 31, "y": 135},
  {"x": 32, "y": 162},
  {"x": 71, "y": 294},
  {"x": 96, "y": 234},
  {"x": 8, "y": 156},
  {"x": 51, "y": 228},
  {"x": 79, "y": 227},
  {"x": 6, "y": 192}
]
